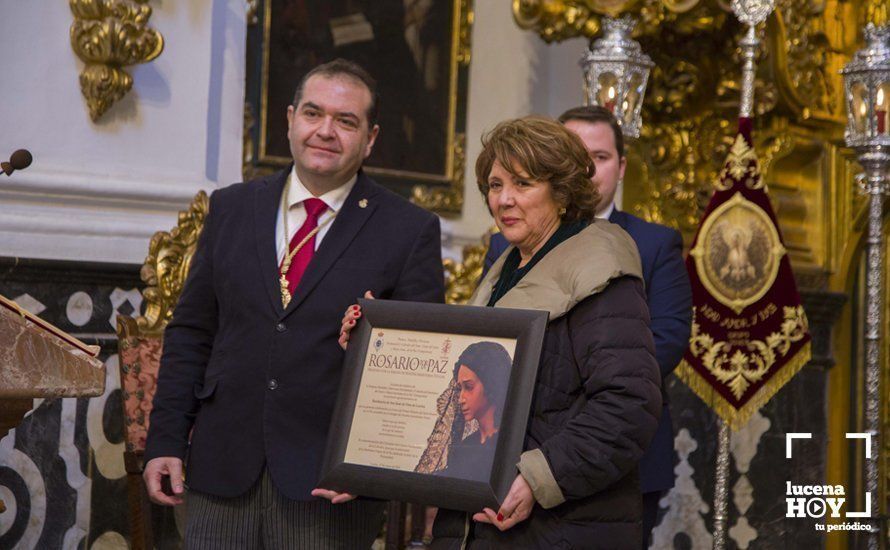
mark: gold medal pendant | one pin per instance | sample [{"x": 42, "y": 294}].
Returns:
[
  {"x": 285, "y": 293},
  {"x": 289, "y": 255}
]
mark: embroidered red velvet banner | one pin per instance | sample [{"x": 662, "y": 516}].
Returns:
[{"x": 749, "y": 331}]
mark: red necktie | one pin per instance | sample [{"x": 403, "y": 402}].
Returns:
[{"x": 314, "y": 209}]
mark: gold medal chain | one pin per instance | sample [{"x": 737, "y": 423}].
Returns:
[{"x": 289, "y": 255}]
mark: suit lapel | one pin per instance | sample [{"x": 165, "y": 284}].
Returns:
[
  {"x": 345, "y": 227},
  {"x": 267, "y": 201}
]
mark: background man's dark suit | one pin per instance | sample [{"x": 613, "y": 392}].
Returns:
[
  {"x": 670, "y": 302},
  {"x": 258, "y": 381}
]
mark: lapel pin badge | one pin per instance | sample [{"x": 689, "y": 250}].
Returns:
[{"x": 363, "y": 203}]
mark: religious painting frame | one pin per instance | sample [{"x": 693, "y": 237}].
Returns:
[
  {"x": 401, "y": 422},
  {"x": 419, "y": 56}
]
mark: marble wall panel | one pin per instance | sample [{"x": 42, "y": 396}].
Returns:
[{"x": 61, "y": 469}]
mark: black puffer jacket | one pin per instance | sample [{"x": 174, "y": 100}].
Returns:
[{"x": 595, "y": 408}]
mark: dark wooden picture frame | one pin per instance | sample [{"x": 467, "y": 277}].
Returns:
[
  {"x": 525, "y": 326},
  {"x": 420, "y": 60}
]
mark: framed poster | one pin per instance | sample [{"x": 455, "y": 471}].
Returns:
[
  {"x": 417, "y": 51},
  {"x": 434, "y": 403}
]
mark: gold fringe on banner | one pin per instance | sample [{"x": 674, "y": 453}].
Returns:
[{"x": 737, "y": 418}]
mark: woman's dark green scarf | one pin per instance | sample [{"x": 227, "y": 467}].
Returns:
[{"x": 512, "y": 273}]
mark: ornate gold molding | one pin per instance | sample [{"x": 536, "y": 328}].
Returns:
[
  {"x": 556, "y": 20},
  {"x": 877, "y": 12},
  {"x": 167, "y": 264},
  {"x": 465, "y": 33},
  {"x": 797, "y": 53},
  {"x": 461, "y": 277},
  {"x": 446, "y": 200},
  {"x": 107, "y": 35},
  {"x": 252, "y": 12}
]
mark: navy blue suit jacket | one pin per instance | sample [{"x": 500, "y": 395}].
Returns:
[
  {"x": 670, "y": 307},
  {"x": 258, "y": 382}
]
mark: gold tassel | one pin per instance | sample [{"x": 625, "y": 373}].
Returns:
[{"x": 737, "y": 418}]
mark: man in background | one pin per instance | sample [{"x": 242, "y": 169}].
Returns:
[
  {"x": 251, "y": 364},
  {"x": 667, "y": 286}
]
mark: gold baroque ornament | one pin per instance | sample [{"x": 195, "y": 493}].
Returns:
[
  {"x": 738, "y": 369},
  {"x": 799, "y": 50},
  {"x": 738, "y": 252},
  {"x": 461, "y": 277},
  {"x": 446, "y": 200},
  {"x": 108, "y": 35},
  {"x": 877, "y": 12},
  {"x": 465, "y": 33},
  {"x": 556, "y": 20},
  {"x": 167, "y": 264}
]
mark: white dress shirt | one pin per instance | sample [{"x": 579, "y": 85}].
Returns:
[
  {"x": 606, "y": 213},
  {"x": 296, "y": 212}
]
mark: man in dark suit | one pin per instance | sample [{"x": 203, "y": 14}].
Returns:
[
  {"x": 251, "y": 364},
  {"x": 667, "y": 286}
]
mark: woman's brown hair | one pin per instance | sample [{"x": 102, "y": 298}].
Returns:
[{"x": 547, "y": 152}]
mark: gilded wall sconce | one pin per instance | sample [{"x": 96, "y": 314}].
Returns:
[{"x": 108, "y": 35}]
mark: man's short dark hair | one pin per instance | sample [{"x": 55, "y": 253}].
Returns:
[
  {"x": 344, "y": 68},
  {"x": 595, "y": 113}
]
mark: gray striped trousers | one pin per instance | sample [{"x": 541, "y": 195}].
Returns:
[{"x": 263, "y": 518}]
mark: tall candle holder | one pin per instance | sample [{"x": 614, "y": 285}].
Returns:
[{"x": 867, "y": 93}]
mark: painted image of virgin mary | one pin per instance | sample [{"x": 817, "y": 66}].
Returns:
[{"x": 473, "y": 408}]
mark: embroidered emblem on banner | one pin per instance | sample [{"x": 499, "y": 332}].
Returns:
[
  {"x": 749, "y": 332},
  {"x": 738, "y": 252}
]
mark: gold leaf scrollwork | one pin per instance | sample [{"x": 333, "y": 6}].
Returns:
[
  {"x": 799, "y": 50},
  {"x": 680, "y": 6},
  {"x": 167, "y": 264},
  {"x": 556, "y": 20},
  {"x": 465, "y": 33},
  {"x": 446, "y": 200},
  {"x": 739, "y": 369},
  {"x": 461, "y": 277},
  {"x": 108, "y": 35},
  {"x": 877, "y": 12}
]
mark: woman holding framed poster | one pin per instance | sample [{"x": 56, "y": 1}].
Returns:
[{"x": 597, "y": 396}]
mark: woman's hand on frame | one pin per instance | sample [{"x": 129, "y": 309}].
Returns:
[
  {"x": 350, "y": 318},
  {"x": 517, "y": 506}
]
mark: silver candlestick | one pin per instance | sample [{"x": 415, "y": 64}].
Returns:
[{"x": 867, "y": 95}]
